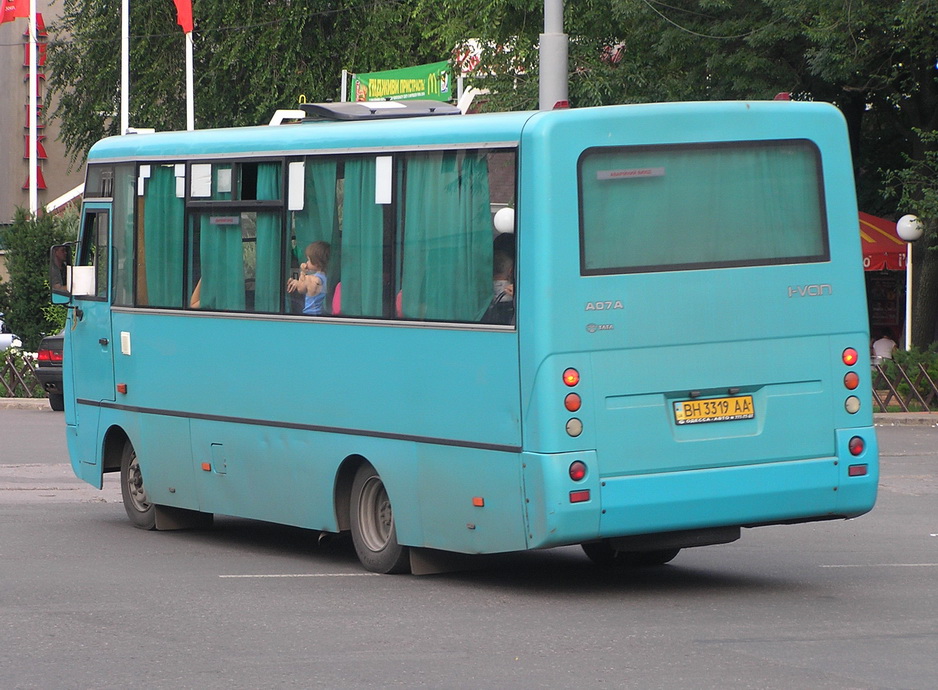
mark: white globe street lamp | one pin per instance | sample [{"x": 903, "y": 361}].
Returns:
[{"x": 910, "y": 229}]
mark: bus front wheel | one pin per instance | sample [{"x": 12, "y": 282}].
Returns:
[
  {"x": 372, "y": 522},
  {"x": 136, "y": 503},
  {"x": 602, "y": 553}
]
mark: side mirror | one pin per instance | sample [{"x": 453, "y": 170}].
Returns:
[{"x": 60, "y": 259}]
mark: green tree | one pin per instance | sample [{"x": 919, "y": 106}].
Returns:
[
  {"x": 250, "y": 58},
  {"x": 874, "y": 59},
  {"x": 25, "y": 298}
]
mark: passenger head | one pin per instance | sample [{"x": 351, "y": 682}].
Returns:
[
  {"x": 502, "y": 265},
  {"x": 317, "y": 254}
]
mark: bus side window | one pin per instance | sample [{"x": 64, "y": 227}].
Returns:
[{"x": 89, "y": 274}]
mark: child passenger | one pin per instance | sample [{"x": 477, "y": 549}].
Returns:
[{"x": 312, "y": 281}]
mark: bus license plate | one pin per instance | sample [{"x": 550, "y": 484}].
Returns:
[{"x": 714, "y": 410}]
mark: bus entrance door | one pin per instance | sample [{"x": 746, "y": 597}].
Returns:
[{"x": 92, "y": 367}]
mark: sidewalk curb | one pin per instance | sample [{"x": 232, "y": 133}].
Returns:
[
  {"x": 24, "y": 404},
  {"x": 882, "y": 419},
  {"x": 905, "y": 419}
]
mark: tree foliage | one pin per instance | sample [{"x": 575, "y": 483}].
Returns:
[
  {"x": 25, "y": 299},
  {"x": 874, "y": 59},
  {"x": 250, "y": 58}
]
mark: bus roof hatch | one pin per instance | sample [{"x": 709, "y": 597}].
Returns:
[{"x": 377, "y": 110}]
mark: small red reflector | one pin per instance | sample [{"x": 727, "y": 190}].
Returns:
[
  {"x": 856, "y": 446},
  {"x": 852, "y": 380},
  {"x": 571, "y": 377},
  {"x": 857, "y": 470},
  {"x": 572, "y": 402},
  {"x": 580, "y": 496},
  {"x": 850, "y": 357},
  {"x": 478, "y": 501},
  {"x": 207, "y": 466},
  {"x": 122, "y": 388},
  {"x": 577, "y": 470}
]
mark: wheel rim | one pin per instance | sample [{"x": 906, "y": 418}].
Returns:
[
  {"x": 138, "y": 495},
  {"x": 374, "y": 515}
]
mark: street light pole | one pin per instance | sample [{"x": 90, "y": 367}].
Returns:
[
  {"x": 552, "y": 85},
  {"x": 909, "y": 228}
]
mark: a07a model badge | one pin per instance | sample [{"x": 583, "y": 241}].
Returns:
[{"x": 600, "y": 306}]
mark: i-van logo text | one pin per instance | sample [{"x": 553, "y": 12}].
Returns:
[{"x": 816, "y": 290}]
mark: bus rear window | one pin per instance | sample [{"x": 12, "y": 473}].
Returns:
[{"x": 680, "y": 207}]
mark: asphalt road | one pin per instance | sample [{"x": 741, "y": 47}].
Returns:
[{"x": 87, "y": 601}]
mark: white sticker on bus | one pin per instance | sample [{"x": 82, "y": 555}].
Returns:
[{"x": 629, "y": 174}]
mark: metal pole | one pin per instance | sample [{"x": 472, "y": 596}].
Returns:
[
  {"x": 190, "y": 89},
  {"x": 33, "y": 114},
  {"x": 908, "y": 295},
  {"x": 552, "y": 86},
  {"x": 125, "y": 67}
]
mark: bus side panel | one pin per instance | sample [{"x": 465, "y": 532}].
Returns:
[
  {"x": 165, "y": 457},
  {"x": 288, "y": 475},
  {"x": 277, "y": 405},
  {"x": 471, "y": 501}
]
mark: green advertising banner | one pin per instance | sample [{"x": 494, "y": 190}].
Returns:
[{"x": 430, "y": 82}]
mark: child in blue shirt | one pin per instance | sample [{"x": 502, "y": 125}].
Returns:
[{"x": 312, "y": 281}]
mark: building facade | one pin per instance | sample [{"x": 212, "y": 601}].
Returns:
[{"x": 54, "y": 177}]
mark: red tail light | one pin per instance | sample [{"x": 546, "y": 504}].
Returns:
[
  {"x": 856, "y": 446},
  {"x": 850, "y": 357},
  {"x": 577, "y": 470},
  {"x": 571, "y": 377},
  {"x": 49, "y": 356},
  {"x": 851, "y": 380}
]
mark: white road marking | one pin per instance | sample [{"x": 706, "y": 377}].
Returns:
[
  {"x": 886, "y": 565},
  {"x": 300, "y": 575}
]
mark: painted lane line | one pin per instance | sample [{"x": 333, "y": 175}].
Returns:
[
  {"x": 282, "y": 575},
  {"x": 886, "y": 565}
]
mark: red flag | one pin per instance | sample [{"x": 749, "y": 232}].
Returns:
[
  {"x": 184, "y": 14},
  {"x": 13, "y": 9}
]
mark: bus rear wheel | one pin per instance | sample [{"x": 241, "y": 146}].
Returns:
[
  {"x": 137, "y": 505},
  {"x": 602, "y": 553},
  {"x": 372, "y": 522}
]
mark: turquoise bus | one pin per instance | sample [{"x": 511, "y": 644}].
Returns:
[{"x": 679, "y": 349}]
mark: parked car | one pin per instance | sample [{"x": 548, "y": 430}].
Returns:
[
  {"x": 49, "y": 369},
  {"x": 7, "y": 338}
]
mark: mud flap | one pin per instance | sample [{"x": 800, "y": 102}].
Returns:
[{"x": 170, "y": 518}]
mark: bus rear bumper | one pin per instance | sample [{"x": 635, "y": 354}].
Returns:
[{"x": 825, "y": 488}]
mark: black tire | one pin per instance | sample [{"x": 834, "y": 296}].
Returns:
[
  {"x": 57, "y": 401},
  {"x": 372, "y": 522},
  {"x": 602, "y": 554},
  {"x": 137, "y": 505}
]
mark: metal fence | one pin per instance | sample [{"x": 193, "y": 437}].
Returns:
[
  {"x": 18, "y": 377},
  {"x": 896, "y": 388},
  {"x": 907, "y": 388}
]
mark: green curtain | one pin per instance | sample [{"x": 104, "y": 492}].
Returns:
[
  {"x": 362, "y": 243},
  {"x": 317, "y": 221},
  {"x": 269, "y": 253},
  {"x": 707, "y": 205},
  {"x": 447, "y": 263},
  {"x": 125, "y": 196},
  {"x": 473, "y": 280},
  {"x": 222, "y": 262},
  {"x": 163, "y": 231}
]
